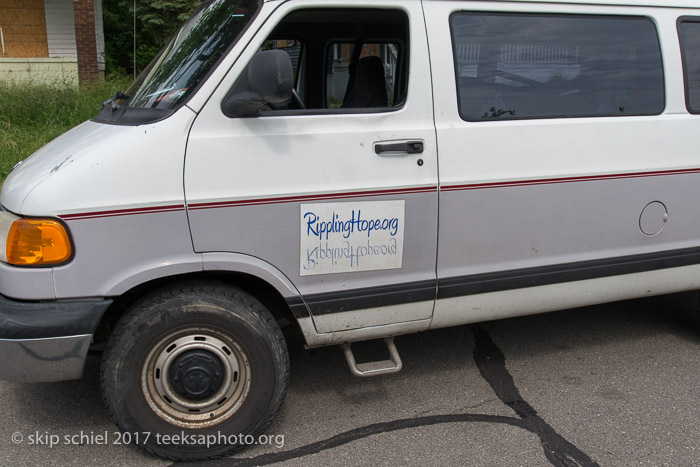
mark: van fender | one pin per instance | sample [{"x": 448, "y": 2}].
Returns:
[
  {"x": 141, "y": 273},
  {"x": 199, "y": 262},
  {"x": 246, "y": 264},
  {"x": 224, "y": 262}
]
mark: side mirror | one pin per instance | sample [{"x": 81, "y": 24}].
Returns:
[{"x": 270, "y": 81}]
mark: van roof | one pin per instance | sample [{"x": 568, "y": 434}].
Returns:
[{"x": 648, "y": 3}]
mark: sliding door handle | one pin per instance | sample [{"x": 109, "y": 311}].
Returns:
[{"x": 407, "y": 147}]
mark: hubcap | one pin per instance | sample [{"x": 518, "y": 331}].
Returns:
[
  {"x": 196, "y": 377},
  {"x": 197, "y": 374}
]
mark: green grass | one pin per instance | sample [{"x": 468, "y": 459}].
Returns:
[{"x": 31, "y": 115}]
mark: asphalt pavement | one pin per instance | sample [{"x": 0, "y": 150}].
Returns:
[{"x": 610, "y": 385}]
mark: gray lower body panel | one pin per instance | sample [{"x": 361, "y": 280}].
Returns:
[
  {"x": 41, "y": 360},
  {"x": 270, "y": 230}
]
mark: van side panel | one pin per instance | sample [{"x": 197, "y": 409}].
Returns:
[{"x": 531, "y": 203}]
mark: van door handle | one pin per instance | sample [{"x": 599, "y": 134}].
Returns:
[{"x": 408, "y": 147}]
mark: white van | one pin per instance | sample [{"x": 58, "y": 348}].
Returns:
[{"x": 359, "y": 169}]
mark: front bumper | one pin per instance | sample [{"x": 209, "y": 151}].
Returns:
[{"x": 46, "y": 341}]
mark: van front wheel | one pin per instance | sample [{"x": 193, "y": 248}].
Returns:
[{"x": 195, "y": 371}]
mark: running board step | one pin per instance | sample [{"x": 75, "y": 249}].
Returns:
[{"x": 382, "y": 367}]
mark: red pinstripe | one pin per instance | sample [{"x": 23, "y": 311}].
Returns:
[{"x": 373, "y": 193}]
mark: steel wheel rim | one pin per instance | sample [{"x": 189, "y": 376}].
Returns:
[{"x": 167, "y": 402}]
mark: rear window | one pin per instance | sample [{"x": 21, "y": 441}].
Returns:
[
  {"x": 690, "y": 47},
  {"x": 513, "y": 66}
]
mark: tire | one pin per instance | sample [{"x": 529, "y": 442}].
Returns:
[{"x": 195, "y": 371}]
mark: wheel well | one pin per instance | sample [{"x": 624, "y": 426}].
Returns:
[{"x": 263, "y": 291}]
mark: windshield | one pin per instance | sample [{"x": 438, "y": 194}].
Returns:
[{"x": 182, "y": 64}]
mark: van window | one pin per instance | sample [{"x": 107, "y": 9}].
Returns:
[
  {"x": 690, "y": 48},
  {"x": 345, "y": 60},
  {"x": 512, "y": 66}
]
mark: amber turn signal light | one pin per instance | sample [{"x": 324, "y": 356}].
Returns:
[{"x": 37, "y": 242}]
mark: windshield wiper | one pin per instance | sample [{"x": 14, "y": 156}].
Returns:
[{"x": 117, "y": 96}]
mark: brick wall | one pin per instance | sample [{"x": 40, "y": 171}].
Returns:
[{"x": 84, "y": 14}]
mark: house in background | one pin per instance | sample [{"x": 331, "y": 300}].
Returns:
[{"x": 51, "y": 40}]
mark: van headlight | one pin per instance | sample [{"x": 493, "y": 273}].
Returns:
[{"x": 32, "y": 241}]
